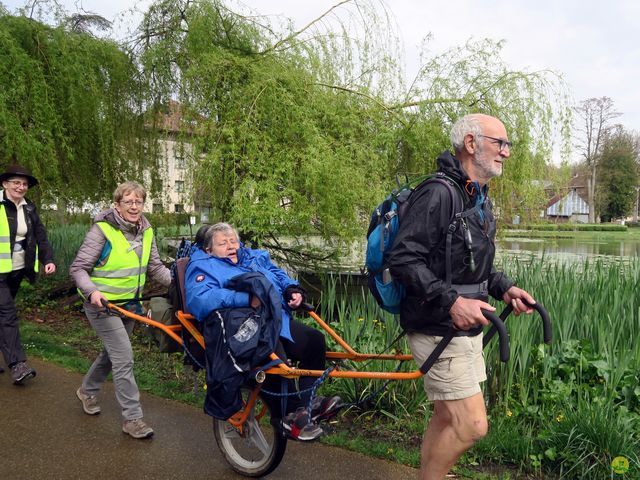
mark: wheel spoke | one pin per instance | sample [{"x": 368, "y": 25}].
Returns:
[
  {"x": 257, "y": 437},
  {"x": 230, "y": 432}
]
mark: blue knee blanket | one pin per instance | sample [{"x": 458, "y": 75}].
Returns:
[{"x": 229, "y": 359}]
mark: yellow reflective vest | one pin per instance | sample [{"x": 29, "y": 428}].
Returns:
[
  {"x": 5, "y": 244},
  {"x": 124, "y": 273}
]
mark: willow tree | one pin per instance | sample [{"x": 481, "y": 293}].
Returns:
[
  {"x": 282, "y": 150},
  {"x": 300, "y": 132},
  {"x": 69, "y": 109},
  {"x": 474, "y": 78}
]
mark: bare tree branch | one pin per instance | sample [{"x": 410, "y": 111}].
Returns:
[{"x": 295, "y": 34}]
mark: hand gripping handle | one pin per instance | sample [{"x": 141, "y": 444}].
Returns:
[{"x": 546, "y": 322}]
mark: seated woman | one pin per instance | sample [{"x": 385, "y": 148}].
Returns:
[{"x": 207, "y": 275}]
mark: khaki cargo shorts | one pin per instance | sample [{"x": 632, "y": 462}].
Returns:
[{"x": 458, "y": 371}]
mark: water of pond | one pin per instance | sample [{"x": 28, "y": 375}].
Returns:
[{"x": 570, "y": 248}]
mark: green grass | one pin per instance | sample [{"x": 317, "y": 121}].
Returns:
[
  {"x": 72, "y": 343},
  {"x": 562, "y": 411}
]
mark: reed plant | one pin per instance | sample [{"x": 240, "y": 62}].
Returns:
[
  {"x": 558, "y": 400},
  {"x": 65, "y": 241},
  {"x": 369, "y": 329}
]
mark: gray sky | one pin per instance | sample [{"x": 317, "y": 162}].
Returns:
[{"x": 591, "y": 43}]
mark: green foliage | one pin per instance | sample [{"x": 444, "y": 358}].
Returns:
[
  {"x": 302, "y": 132},
  {"x": 584, "y": 389},
  {"x": 617, "y": 175},
  {"x": 281, "y": 153},
  {"x": 565, "y": 410},
  {"x": 69, "y": 110},
  {"x": 65, "y": 241},
  {"x": 474, "y": 78}
]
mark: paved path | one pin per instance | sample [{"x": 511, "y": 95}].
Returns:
[{"x": 44, "y": 435}]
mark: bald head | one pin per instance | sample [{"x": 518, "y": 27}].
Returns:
[
  {"x": 470, "y": 124},
  {"x": 481, "y": 145}
]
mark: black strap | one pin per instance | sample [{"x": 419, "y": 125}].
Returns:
[{"x": 431, "y": 359}]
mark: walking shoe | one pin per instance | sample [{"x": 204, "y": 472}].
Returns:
[
  {"x": 324, "y": 408},
  {"x": 89, "y": 402},
  {"x": 21, "y": 372},
  {"x": 1, "y": 370},
  {"x": 137, "y": 428},
  {"x": 299, "y": 426}
]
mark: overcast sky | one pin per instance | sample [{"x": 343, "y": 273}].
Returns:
[{"x": 593, "y": 44}]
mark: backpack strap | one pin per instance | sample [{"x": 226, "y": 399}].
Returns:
[{"x": 458, "y": 216}]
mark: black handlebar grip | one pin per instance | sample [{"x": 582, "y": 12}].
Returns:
[
  {"x": 546, "y": 322},
  {"x": 498, "y": 326},
  {"x": 307, "y": 307}
]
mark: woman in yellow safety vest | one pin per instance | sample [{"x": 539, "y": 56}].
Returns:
[
  {"x": 113, "y": 263},
  {"x": 23, "y": 245}
]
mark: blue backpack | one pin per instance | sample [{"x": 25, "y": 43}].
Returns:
[{"x": 383, "y": 227}]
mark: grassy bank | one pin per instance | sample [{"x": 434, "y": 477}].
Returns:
[
  {"x": 562, "y": 411},
  {"x": 62, "y": 335}
]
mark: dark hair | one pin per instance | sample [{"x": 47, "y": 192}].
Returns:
[{"x": 201, "y": 235}]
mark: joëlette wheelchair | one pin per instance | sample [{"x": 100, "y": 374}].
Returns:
[{"x": 250, "y": 440}]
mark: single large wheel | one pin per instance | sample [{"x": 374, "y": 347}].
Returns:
[{"x": 258, "y": 450}]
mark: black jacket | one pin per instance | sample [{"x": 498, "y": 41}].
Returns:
[
  {"x": 417, "y": 258},
  {"x": 229, "y": 361},
  {"x": 36, "y": 235}
]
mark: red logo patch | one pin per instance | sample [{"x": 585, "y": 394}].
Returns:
[{"x": 200, "y": 278}]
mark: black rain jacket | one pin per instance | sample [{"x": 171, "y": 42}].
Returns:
[
  {"x": 417, "y": 258},
  {"x": 36, "y": 236}
]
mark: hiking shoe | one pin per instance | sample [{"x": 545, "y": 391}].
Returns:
[
  {"x": 299, "y": 426},
  {"x": 21, "y": 372},
  {"x": 137, "y": 428},
  {"x": 324, "y": 408},
  {"x": 1, "y": 370},
  {"x": 89, "y": 402}
]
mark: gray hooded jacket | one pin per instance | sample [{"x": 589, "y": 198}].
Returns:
[{"x": 94, "y": 242}]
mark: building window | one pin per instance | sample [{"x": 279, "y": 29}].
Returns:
[
  {"x": 205, "y": 213},
  {"x": 179, "y": 186},
  {"x": 178, "y": 208},
  {"x": 157, "y": 208},
  {"x": 180, "y": 162}
]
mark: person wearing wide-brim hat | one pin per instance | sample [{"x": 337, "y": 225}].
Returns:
[{"x": 23, "y": 246}]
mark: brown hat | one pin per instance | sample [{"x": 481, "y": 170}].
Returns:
[{"x": 18, "y": 171}]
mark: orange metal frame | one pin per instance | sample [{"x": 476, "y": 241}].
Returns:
[
  {"x": 186, "y": 321},
  {"x": 238, "y": 419}
]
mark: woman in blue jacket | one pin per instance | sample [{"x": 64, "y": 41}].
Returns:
[{"x": 224, "y": 257}]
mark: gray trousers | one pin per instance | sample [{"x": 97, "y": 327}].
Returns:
[{"x": 116, "y": 357}]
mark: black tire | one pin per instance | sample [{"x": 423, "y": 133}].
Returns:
[{"x": 259, "y": 450}]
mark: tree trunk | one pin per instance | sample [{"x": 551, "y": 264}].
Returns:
[{"x": 591, "y": 195}]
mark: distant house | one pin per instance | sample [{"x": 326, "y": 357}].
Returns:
[{"x": 570, "y": 205}]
